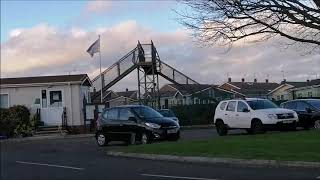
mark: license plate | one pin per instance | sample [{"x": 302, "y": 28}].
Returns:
[
  {"x": 170, "y": 131},
  {"x": 287, "y": 121}
]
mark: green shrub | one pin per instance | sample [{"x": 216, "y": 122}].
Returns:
[
  {"x": 16, "y": 121},
  {"x": 195, "y": 114}
]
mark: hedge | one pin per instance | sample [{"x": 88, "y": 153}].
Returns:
[
  {"x": 16, "y": 121},
  {"x": 195, "y": 114}
]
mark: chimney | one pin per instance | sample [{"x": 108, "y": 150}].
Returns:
[
  {"x": 229, "y": 79},
  {"x": 284, "y": 80},
  {"x": 242, "y": 80},
  {"x": 255, "y": 80},
  {"x": 308, "y": 80},
  {"x": 127, "y": 89},
  {"x": 267, "y": 80}
]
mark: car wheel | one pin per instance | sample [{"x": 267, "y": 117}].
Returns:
[
  {"x": 131, "y": 139},
  {"x": 101, "y": 139},
  {"x": 221, "y": 128},
  {"x": 145, "y": 138},
  {"x": 317, "y": 124},
  {"x": 257, "y": 127}
]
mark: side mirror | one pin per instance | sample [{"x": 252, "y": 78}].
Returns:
[
  {"x": 245, "y": 110},
  {"x": 133, "y": 119},
  {"x": 308, "y": 110}
]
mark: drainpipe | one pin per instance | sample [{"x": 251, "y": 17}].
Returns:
[{"x": 70, "y": 99}]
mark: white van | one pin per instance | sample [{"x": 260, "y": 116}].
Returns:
[{"x": 253, "y": 114}]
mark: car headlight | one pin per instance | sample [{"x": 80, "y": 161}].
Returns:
[
  {"x": 272, "y": 116},
  {"x": 295, "y": 115},
  {"x": 153, "y": 125}
]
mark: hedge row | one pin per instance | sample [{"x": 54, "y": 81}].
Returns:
[
  {"x": 16, "y": 121},
  {"x": 195, "y": 114}
]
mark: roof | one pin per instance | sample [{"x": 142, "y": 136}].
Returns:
[
  {"x": 185, "y": 89},
  {"x": 129, "y": 94},
  {"x": 44, "y": 79},
  {"x": 254, "y": 87},
  {"x": 312, "y": 82}
]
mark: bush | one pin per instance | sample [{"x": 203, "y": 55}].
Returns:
[
  {"x": 16, "y": 121},
  {"x": 195, "y": 114}
]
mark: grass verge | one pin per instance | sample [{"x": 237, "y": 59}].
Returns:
[{"x": 289, "y": 146}]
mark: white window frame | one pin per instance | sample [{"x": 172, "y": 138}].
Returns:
[
  {"x": 48, "y": 90},
  {"x": 7, "y": 93}
]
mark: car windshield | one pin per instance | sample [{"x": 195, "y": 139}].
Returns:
[
  {"x": 146, "y": 112},
  {"x": 167, "y": 113},
  {"x": 315, "y": 103},
  {"x": 261, "y": 104}
]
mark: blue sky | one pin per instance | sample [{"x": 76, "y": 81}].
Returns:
[
  {"x": 63, "y": 14},
  {"x": 51, "y": 37}
]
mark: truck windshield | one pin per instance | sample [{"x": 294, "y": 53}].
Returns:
[
  {"x": 261, "y": 104},
  {"x": 146, "y": 112},
  {"x": 167, "y": 113}
]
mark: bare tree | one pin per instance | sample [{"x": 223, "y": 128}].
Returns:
[{"x": 228, "y": 21}]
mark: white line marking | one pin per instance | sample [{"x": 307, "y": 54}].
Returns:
[
  {"x": 50, "y": 165},
  {"x": 176, "y": 177}
]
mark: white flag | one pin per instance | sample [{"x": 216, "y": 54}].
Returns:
[{"x": 94, "y": 48}]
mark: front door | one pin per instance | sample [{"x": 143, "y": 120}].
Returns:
[
  {"x": 243, "y": 117},
  {"x": 52, "y": 103}
]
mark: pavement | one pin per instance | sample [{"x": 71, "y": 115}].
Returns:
[{"x": 81, "y": 158}]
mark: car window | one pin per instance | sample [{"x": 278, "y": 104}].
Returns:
[
  {"x": 241, "y": 106},
  {"x": 261, "y": 104},
  {"x": 146, "y": 112},
  {"x": 231, "y": 106},
  {"x": 290, "y": 105},
  {"x": 105, "y": 114},
  {"x": 315, "y": 103},
  {"x": 223, "y": 105},
  {"x": 167, "y": 113},
  {"x": 124, "y": 114},
  {"x": 301, "y": 106},
  {"x": 113, "y": 114}
]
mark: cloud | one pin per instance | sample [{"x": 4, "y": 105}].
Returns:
[
  {"x": 48, "y": 50},
  {"x": 98, "y": 6}
]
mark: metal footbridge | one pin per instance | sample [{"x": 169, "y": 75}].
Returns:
[{"x": 144, "y": 58}]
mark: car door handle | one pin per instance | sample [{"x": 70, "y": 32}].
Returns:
[{"x": 225, "y": 114}]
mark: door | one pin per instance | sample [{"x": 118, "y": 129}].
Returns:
[
  {"x": 128, "y": 125},
  {"x": 304, "y": 116},
  {"x": 243, "y": 117},
  {"x": 230, "y": 114},
  {"x": 52, "y": 103}
]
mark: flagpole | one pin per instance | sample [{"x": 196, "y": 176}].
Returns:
[{"x": 101, "y": 98}]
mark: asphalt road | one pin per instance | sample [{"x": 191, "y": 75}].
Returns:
[{"x": 81, "y": 158}]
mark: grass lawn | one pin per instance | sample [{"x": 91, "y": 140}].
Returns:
[{"x": 291, "y": 146}]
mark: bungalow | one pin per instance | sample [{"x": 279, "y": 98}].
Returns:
[
  {"x": 250, "y": 89},
  {"x": 51, "y": 94},
  {"x": 311, "y": 89},
  {"x": 112, "y": 99},
  {"x": 187, "y": 94},
  {"x": 282, "y": 92}
]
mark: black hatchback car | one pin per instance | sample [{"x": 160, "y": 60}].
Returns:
[
  {"x": 308, "y": 111},
  {"x": 134, "y": 123}
]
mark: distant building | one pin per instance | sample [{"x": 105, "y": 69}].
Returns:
[
  {"x": 311, "y": 89},
  {"x": 250, "y": 89},
  {"x": 187, "y": 94},
  {"x": 50, "y": 94},
  {"x": 282, "y": 92},
  {"x": 112, "y": 99}
]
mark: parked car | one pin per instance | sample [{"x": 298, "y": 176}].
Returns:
[
  {"x": 308, "y": 111},
  {"x": 133, "y": 123},
  {"x": 253, "y": 114},
  {"x": 169, "y": 114}
]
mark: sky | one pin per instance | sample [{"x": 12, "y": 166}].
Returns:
[{"x": 51, "y": 38}]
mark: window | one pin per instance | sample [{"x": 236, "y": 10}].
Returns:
[
  {"x": 290, "y": 105},
  {"x": 301, "y": 106},
  {"x": 37, "y": 101},
  {"x": 44, "y": 98},
  {"x": 223, "y": 105},
  {"x": 124, "y": 114},
  {"x": 278, "y": 98},
  {"x": 55, "y": 99},
  {"x": 309, "y": 94},
  {"x": 231, "y": 106},
  {"x": 261, "y": 104},
  {"x": 4, "y": 101},
  {"x": 105, "y": 114},
  {"x": 300, "y": 95},
  {"x": 113, "y": 114},
  {"x": 282, "y": 97},
  {"x": 241, "y": 106}
]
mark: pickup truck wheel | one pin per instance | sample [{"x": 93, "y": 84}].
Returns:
[
  {"x": 257, "y": 127},
  {"x": 317, "y": 124},
  {"x": 221, "y": 128}
]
